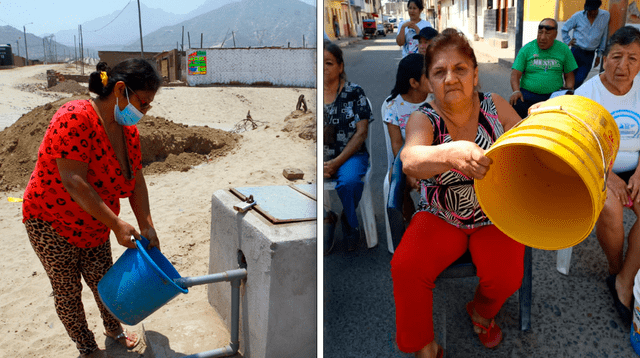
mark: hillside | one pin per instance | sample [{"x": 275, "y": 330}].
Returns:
[{"x": 253, "y": 23}]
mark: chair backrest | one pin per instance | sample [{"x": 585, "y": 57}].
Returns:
[
  {"x": 387, "y": 138},
  {"x": 395, "y": 199}
]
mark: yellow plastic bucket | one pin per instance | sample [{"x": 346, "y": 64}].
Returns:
[{"x": 547, "y": 183}]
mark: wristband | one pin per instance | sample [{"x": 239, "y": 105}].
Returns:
[{"x": 514, "y": 92}]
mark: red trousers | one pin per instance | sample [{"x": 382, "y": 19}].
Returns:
[{"x": 429, "y": 246}]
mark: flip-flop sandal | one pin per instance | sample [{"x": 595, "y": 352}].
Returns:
[
  {"x": 493, "y": 335},
  {"x": 623, "y": 311},
  {"x": 124, "y": 334}
]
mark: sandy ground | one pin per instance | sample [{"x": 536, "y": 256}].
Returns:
[{"x": 181, "y": 209}]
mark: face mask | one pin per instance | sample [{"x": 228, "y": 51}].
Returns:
[{"x": 129, "y": 116}]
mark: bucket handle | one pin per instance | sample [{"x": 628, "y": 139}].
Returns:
[{"x": 560, "y": 109}]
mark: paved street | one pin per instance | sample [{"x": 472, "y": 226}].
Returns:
[{"x": 572, "y": 316}]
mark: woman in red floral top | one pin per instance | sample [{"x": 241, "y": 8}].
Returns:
[{"x": 90, "y": 158}]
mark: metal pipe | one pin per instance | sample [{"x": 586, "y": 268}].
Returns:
[
  {"x": 234, "y": 276},
  {"x": 231, "y": 275},
  {"x": 218, "y": 352},
  {"x": 235, "y": 314}
]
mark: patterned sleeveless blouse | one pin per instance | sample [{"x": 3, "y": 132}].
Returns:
[{"x": 451, "y": 195}]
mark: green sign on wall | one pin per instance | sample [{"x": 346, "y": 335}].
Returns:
[{"x": 197, "y": 63}]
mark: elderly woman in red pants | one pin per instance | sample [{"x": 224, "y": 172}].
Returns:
[{"x": 445, "y": 144}]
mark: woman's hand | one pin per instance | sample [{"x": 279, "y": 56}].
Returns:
[
  {"x": 412, "y": 25},
  {"x": 123, "y": 232},
  {"x": 634, "y": 186},
  {"x": 330, "y": 168},
  {"x": 470, "y": 160},
  {"x": 618, "y": 188},
  {"x": 151, "y": 235}
]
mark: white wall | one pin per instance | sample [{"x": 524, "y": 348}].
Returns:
[{"x": 294, "y": 67}]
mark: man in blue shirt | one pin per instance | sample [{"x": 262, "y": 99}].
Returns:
[{"x": 590, "y": 28}]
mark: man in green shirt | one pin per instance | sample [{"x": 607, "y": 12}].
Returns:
[{"x": 543, "y": 66}]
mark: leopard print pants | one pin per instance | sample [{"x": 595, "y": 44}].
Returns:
[{"x": 65, "y": 264}]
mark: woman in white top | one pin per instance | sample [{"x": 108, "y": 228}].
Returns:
[
  {"x": 616, "y": 90},
  {"x": 408, "y": 29},
  {"x": 410, "y": 92}
]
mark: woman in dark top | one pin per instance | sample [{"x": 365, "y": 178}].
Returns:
[{"x": 346, "y": 123}]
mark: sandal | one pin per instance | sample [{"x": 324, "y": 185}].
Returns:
[
  {"x": 127, "y": 338},
  {"x": 493, "y": 334}
]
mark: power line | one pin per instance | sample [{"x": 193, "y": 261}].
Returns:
[{"x": 114, "y": 19}]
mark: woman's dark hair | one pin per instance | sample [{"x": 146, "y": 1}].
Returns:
[
  {"x": 138, "y": 74},
  {"x": 412, "y": 66},
  {"x": 623, "y": 36},
  {"x": 336, "y": 51},
  {"x": 418, "y": 3},
  {"x": 446, "y": 39}
]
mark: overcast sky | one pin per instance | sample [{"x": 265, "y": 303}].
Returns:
[{"x": 51, "y": 16}]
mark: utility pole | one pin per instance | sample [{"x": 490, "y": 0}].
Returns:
[
  {"x": 18, "y": 43},
  {"x": 234, "y": 39},
  {"x": 140, "y": 23},
  {"x": 201, "y": 40},
  {"x": 26, "y": 49},
  {"x": 44, "y": 52},
  {"x": 189, "y": 38},
  {"x": 520, "y": 25},
  {"x": 75, "y": 51},
  {"x": 182, "y": 48}
]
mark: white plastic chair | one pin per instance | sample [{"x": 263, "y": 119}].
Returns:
[
  {"x": 385, "y": 185},
  {"x": 366, "y": 202},
  {"x": 564, "y": 260}
]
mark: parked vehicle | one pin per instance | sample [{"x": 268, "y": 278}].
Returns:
[
  {"x": 381, "y": 30},
  {"x": 369, "y": 28},
  {"x": 388, "y": 26},
  {"x": 393, "y": 22}
]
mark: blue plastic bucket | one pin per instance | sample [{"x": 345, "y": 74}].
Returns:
[{"x": 138, "y": 284}]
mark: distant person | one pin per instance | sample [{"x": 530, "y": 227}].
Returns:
[
  {"x": 617, "y": 89},
  {"x": 543, "y": 66},
  {"x": 336, "y": 28},
  {"x": 346, "y": 125},
  {"x": 424, "y": 39},
  {"x": 89, "y": 159},
  {"x": 408, "y": 29},
  {"x": 590, "y": 29},
  {"x": 445, "y": 146}
]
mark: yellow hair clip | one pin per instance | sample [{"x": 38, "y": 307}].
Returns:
[{"x": 104, "y": 77}]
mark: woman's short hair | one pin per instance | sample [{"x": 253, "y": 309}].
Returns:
[
  {"x": 336, "y": 51},
  {"x": 446, "y": 39},
  {"x": 138, "y": 74},
  {"x": 411, "y": 66},
  {"x": 418, "y": 3},
  {"x": 623, "y": 36}
]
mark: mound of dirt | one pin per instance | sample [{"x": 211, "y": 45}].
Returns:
[
  {"x": 301, "y": 124},
  {"x": 166, "y": 146},
  {"x": 69, "y": 86}
]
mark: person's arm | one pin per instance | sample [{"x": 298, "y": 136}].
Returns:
[
  {"x": 354, "y": 144},
  {"x": 139, "y": 201},
  {"x": 400, "y": 40},
  {"x": 569, "y": 80},
  {"x": 395, "y": 134},
  {"x": 506, "y": 114},
  {"x": 568, "y": 26},
  {"x": 73, "y": 174},
  {"x": 422, "y": 160},
  {"x": 515, "y": 86}
]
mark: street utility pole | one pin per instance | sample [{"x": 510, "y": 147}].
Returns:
[{"x": 140, "y": 23}]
